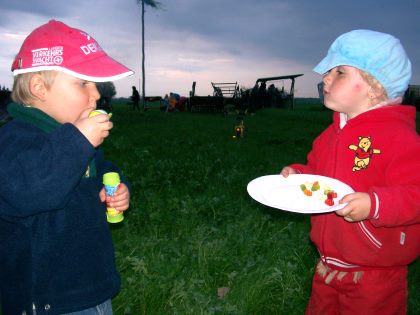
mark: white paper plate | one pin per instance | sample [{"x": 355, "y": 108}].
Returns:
[{"x": 283, "y": 193}]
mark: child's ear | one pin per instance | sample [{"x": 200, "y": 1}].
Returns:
[
  {"x": 371, "y": 92},
  {"x": 376, "y": 91},
  {"x": 37, "y": 87}
]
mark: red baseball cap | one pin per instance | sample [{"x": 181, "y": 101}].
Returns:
[{"x": 56, "y": 46}]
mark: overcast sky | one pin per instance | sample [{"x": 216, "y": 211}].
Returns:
[{"x": 214, "y": 40}]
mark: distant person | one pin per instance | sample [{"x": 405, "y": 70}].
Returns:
[
  {"x": 174, "y": 99},
  {"x": 262, "y": 95},
  {"x": 372, "y": 145},
  {"x": 253, "y": 99},
  {"x": 172, "y": 102},
  {"x": 182, "y": 103},
  {"x": 283, "y": 94},
  {"x": 56, "y": 253},
  {"x": 272, "y": 96},
  {"x": 107, "y": 91},
  {"x": 135, "y": 98},
  {"x": 165, "y": 103}
]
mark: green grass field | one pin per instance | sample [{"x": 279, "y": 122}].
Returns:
[{"x": 193, "y": 233}]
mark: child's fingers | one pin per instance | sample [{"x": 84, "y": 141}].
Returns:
[
  {"x": 122, "y": 189},
  {"x": 103, "y": 122},
  {"x": 286, "y": 171},
  {"x": 119, "y": 205},
  {"x": 344, "y": 211},
  {"x": 119, "y": 197},
  {"x": 121, "y": 200},
  {"x": 102, "y": 195},
  {"x": 100, "y": 118}
]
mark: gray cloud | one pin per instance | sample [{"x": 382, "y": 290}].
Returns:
[
  {"x": 205, "y": 40},
  {"x": 45, "y": 8},
  {"x": 301, "y": 30}
]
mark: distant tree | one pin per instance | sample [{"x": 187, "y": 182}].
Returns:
[
  {"x": 5, "y": 99},
  {"x": 153, "y": 4},
  {"x": 107, "y": 91},
  {"x": 5, "y": 94}
]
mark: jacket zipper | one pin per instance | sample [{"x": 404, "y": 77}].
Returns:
[{"x": 337, "y": 143}]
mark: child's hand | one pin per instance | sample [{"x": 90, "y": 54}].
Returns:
[
  {"x": 286, "y": 171},
  {"x": 95, "y": 129},
  {"x": 121, "y": 199},
  {"x": 357, "y": 208}
]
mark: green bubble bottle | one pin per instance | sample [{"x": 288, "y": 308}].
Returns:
[{"x": 111, "y": 181}]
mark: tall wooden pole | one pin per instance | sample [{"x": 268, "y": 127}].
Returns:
[{"x": 143, "y": 96}]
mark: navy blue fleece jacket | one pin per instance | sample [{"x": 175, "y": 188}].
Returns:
[{"x": 56, "y": 252}]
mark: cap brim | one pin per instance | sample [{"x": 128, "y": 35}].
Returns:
[
  {"x": 332, "y": 61},
  {"x": 102, "y": 69}
]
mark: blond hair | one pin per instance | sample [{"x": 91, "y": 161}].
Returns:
[
  {"x": 21, "y": 85},
  {"x": 376, "y": 86}
]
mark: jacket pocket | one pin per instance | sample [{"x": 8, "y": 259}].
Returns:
[{"x": 369, "y": 236}]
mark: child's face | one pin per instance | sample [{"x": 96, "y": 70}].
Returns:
[
  {"x": 69, "y": 97},
  {"x": 346, "y": 91}
]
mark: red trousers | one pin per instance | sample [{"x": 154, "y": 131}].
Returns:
[{"x": 377, "y": 292}]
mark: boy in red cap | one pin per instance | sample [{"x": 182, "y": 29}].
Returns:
[
  {"x": 372, "y": 145},
  {"x": 57, "y": 255}
]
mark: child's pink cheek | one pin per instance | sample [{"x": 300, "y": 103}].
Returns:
[{"x": 357, "y": 87}]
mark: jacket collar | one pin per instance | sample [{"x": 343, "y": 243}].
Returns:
[
  {"x": 38, "y": 118},
  {"x": 344, "y": 118},
  {"x": 33, "y": 116}
]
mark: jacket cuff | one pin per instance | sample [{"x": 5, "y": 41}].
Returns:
[
  {"x": 299, "y": 168},
  {"x": 374, "y": 206}
]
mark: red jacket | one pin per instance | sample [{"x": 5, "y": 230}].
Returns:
[{"x": 376, "y": 152}]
